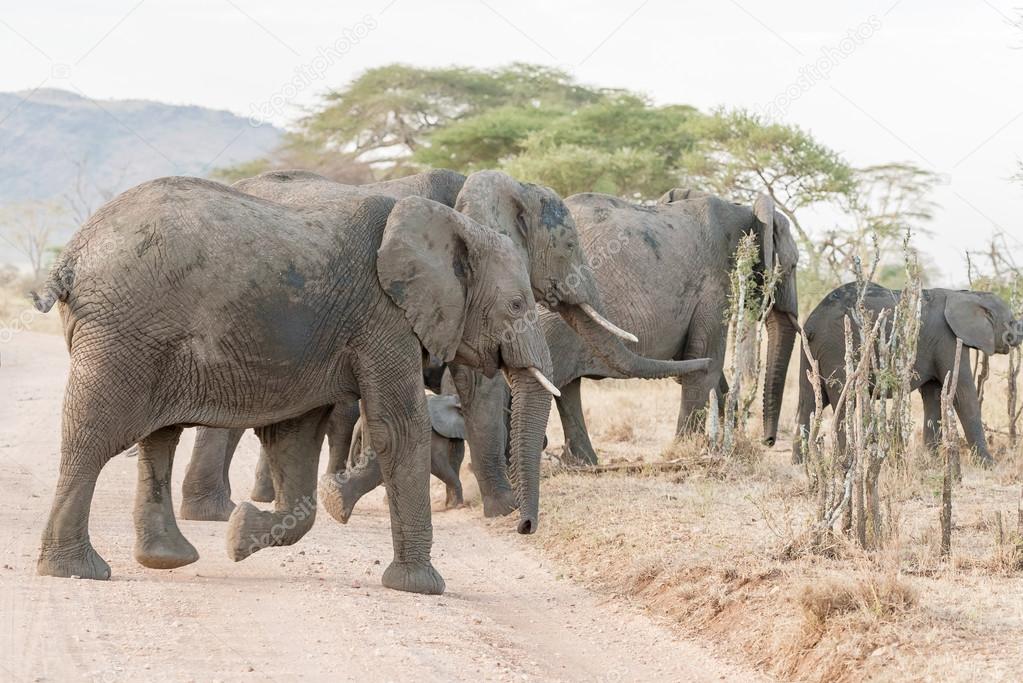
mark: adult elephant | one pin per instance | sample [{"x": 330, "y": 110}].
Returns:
[
  {"x": 665, "y": 275},
  {"x": 538, "y": 223},
  {"x": 982, "y": 320},
  {"x": 324, "y": 302},
  {"x": 562, "y": 275},
  {"x": 664, "y": 271},
  {"x": 206, "y": 489}
]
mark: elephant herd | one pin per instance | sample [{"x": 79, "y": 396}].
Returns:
[{"x": 305, "y": 308}]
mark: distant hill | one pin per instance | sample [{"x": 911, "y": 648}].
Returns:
[{"x": 53, "y": 140}]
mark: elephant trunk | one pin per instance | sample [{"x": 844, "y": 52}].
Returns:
[
  {"x": 781, "y": 337},
  {"x": 618, "y": 358},
  {"x": 530, "y": 408}
]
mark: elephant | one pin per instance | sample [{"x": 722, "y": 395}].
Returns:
[
  {"x": 981, "y": 319},
  {"x": 665, "y": 270},
  {"x": 537, "y": 221},
  {"x": 206, "y": 489},
  {"x": 447, "y": 448},
  {"x": 664, "y": 273},
  {"x": 185, "y": 302}
]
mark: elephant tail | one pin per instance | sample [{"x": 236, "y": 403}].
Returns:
[{"x": 56, "y": 288}]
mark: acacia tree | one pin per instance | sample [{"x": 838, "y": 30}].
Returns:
[
  {"x": 739, "y": 154},
  {"x": 387, "y": 114}
]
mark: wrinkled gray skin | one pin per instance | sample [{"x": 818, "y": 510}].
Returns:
[
  {"x": 447, "y": 450},
  {"x": 537, "y": 219},
  {"x": 543, "y": 230},
  {"x": 982, "y": 320},
  {"x": 323, "y": 303},
  {"x": 662, "y": 272},
  {"x": 664, "y": 275},
  {"x": 206, "y": 489}
]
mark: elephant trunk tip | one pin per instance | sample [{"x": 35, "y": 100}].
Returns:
[
  {"x": 769, "y": 441},
  {"x": 527, "y": 525}
]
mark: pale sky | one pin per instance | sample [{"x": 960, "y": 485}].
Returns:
[{"x": 938, "y": 83}]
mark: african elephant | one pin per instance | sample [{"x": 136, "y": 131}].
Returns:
[
  {"x": 981, "y": 319},
  {"x": 447, "y": 449},
  {"x": 664, "y": 269},
  {"x": 206, "y": 489},
  {"x": 536, "y": 220},
  {"x": 664, "y": 272},
  {"x": 186, "y": 302}
]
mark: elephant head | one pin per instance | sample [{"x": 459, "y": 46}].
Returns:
[
  {"x": 466, "y": 293},
  {"x": 539, "y": 223},
  {"x": 777, "y": 249},
  {"x": 983, "y": 321}
]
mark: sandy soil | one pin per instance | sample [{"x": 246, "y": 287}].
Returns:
[{"x": 315, "y": 610}]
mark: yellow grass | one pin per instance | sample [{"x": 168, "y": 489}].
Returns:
[{"x": 704, "y": 546}]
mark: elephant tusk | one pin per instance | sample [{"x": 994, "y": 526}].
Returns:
[
  {"x": 544, "y": 382},
  {"x": 607, "y": 324}
]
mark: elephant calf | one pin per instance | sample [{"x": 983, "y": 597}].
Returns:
[
  {"x": 447, "y": 450},
  {"x": 981, "y": 319}
]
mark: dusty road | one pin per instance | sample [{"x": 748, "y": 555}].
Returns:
[{"x": 314, "y": 611}]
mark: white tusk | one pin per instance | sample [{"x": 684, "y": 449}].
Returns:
[
  {"x": 607, "y": 324},
  {"x": 544, "y": 382}
]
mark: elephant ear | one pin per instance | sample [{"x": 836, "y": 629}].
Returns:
[
  {"x": 970, "y": 320},
  {"x": 425, "y": 263},
  {"x": 446, "y": 416}
]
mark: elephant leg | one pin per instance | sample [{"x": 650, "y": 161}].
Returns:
[
  {"x": 292, "y": 450},
  {"x": 206, "y": 490},
  {"x": 967, "y": 407},
  {"x": 159, "y": 543},
  {"x": 570, "y": 409},
  {"x": 723, "y": 390},
  {"x": 930, "y": 392},
  {"x": 263, "y": 486},
  {"x": 440, "y": 467},
  {"x": 455, "y": 455},
  {"x": 706, "y": 341},
  {"x": 397, "y": 425},
  {"x": 87, "y": 444},
  {"x": 362, "y": 476},
  {"x": 340, "y": 431}
]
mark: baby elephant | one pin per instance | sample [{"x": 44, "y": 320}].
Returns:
[
  {"x": 447, "y": 449},
  {"x": 981, "y": 319}
]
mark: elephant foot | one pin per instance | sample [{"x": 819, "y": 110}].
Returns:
[
  {"x": 263, "y": 490},
  {"x": 413, "y": 578},
  {"x": 251, "y": 529},
  {"x": 453, "y": 497},
  {"x": 216, "y": 508},
  {"x": 248, "y": 530},
  {"x": 82, "y": 562},
  {"x": 165, "y": 551},
  {"x": 337, "y": 494},
  {"x": 499, "y": 504}
]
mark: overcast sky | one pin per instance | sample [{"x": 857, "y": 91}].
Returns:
[{"x": 936, "y": 82}]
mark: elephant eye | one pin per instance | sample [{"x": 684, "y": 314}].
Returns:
[{"x": 517, "y": 306}]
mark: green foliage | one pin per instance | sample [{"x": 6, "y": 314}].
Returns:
[
  {"x": 739, "y": 155},
  {"x": 390, "y": 112}
]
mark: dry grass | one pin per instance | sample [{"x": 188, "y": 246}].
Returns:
[{"x": 703, "y": 546}]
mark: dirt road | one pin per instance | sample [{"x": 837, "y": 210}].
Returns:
[{"x": 315, "y": 610}]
